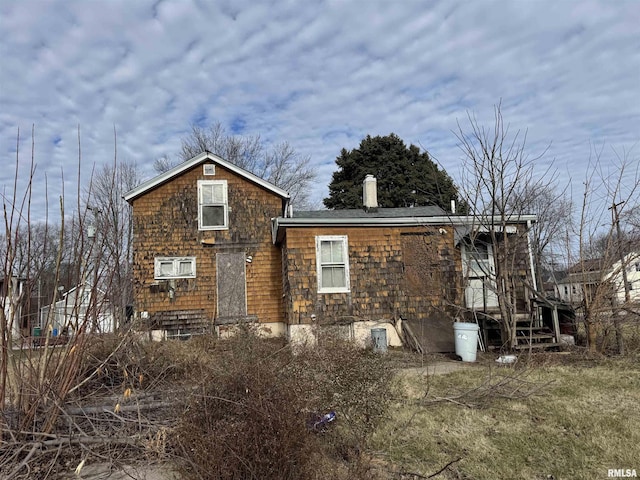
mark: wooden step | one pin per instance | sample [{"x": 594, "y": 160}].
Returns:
[{"x": 535, "y": 336}]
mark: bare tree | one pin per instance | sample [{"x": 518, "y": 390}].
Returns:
[
  {"x": 500, "y": 184},
  {"x": 280, "y": 165},
  {"x": 37, "y": 381},
  {"x": 611, "y": 194},
  {"x": 553, "y": 208},
  {"x": 631, "y": 218},
  {"x": 110, "y": 224},
  {"x": 244, "y": 151}
]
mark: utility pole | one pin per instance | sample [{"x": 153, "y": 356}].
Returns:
[
  {"x": 627, "y": 297},
  {"x": 616, "y": 221}
]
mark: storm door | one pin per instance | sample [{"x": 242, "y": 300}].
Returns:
[
  {"x": 232, "y": 285},
  {"x": 480, "y": 292}
]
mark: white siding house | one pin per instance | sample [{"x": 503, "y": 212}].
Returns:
[
  {"x": 80, "y": 307},
  {"x": 616, "y": 276},
  {"x": 592, "y": 275},
  {"x": 11, "y": 290}
]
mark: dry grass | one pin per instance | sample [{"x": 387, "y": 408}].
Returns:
[
  {"x": 582, "y": 424},
  {"x": 571, "y": 415}
]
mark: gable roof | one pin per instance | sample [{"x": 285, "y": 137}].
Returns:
[
  {"x": 588, "y": 265},
  {"x": 158, "y": 180},
  {"x": 81, "y": 287}
]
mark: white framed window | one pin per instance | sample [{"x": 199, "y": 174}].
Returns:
[
  {"x": 332, "y": 263},
  {"x": 213, "y": 210},
  {"x": 478, "y": 258},
  {"x": 174, "y": 267},
  {"x": 209, "y": 169}
]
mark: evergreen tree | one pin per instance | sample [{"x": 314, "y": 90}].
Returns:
[{"x": 406, "y": 177}]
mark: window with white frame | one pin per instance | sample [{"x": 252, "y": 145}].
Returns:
[
  {"x": 213, "y": 210},
  {"x": 332, "y": 262},
  {"x": 174, "y": 267}
]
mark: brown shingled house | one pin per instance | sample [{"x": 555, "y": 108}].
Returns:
[{"x": 214, "y": 245}]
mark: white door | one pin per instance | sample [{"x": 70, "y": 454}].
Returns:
[{"x": 480, "y": 292}]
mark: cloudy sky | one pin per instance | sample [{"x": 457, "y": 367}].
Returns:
[{"x": 318, "y": 74}]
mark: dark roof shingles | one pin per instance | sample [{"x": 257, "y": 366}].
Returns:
[{"x": 429, "y": 211}]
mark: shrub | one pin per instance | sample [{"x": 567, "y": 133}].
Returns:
[{"x": 249, "y": 417}]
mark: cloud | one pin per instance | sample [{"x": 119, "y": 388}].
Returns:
[{"x": 319, "y": 75}]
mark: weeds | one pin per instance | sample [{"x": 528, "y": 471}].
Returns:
[
  {"x": 250, "y": 415},
  {"x": 240, "y": 409}
]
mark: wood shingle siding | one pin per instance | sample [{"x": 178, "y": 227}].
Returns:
[
  {"x": 387, "y": 274},
  {"x": 165, "y": 220}
]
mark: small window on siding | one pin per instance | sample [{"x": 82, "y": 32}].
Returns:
[
  {"x": 174, "y": 267},
  {"x": 209, "y": 169},
  {"x": 332, "y": 262},
  {"x": 213, "y": 211}
]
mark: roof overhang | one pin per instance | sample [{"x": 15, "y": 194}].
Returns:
[
  {"x": 154, "y": 182},
  {"x": 464, "y": 231},
  {"x": 280, "y": 224}
]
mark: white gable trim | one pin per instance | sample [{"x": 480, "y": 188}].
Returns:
[{"x": 198, "y": 159}]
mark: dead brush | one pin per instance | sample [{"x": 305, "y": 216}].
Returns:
[
  {"x": 248, "y": 417},
  {"x": 131, "y": 361},
  {"x": 511, "y": 384}
]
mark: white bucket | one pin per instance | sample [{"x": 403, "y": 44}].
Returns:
[
  {"x": 466, "y": 339},
  {"x": 567, "y": 340}
]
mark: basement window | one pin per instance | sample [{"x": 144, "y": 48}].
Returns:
[
  {"x": 213, "y": 208},
  {"x": 332, "y": 263},
  {"x": 174, "y": 267}
]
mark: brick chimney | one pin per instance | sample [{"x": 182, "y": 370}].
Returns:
[{"x": 370, "y": 192}]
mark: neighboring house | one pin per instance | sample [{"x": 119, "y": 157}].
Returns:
[
  {"x": 215, "y": 246},
  {"x": 82, "y": 307},
  {"x": 601, "y": 277},
  {"x": 581, "y": 280},
  {"x": 11, "y": 301},
  {"x": 614, "y": 274}
]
